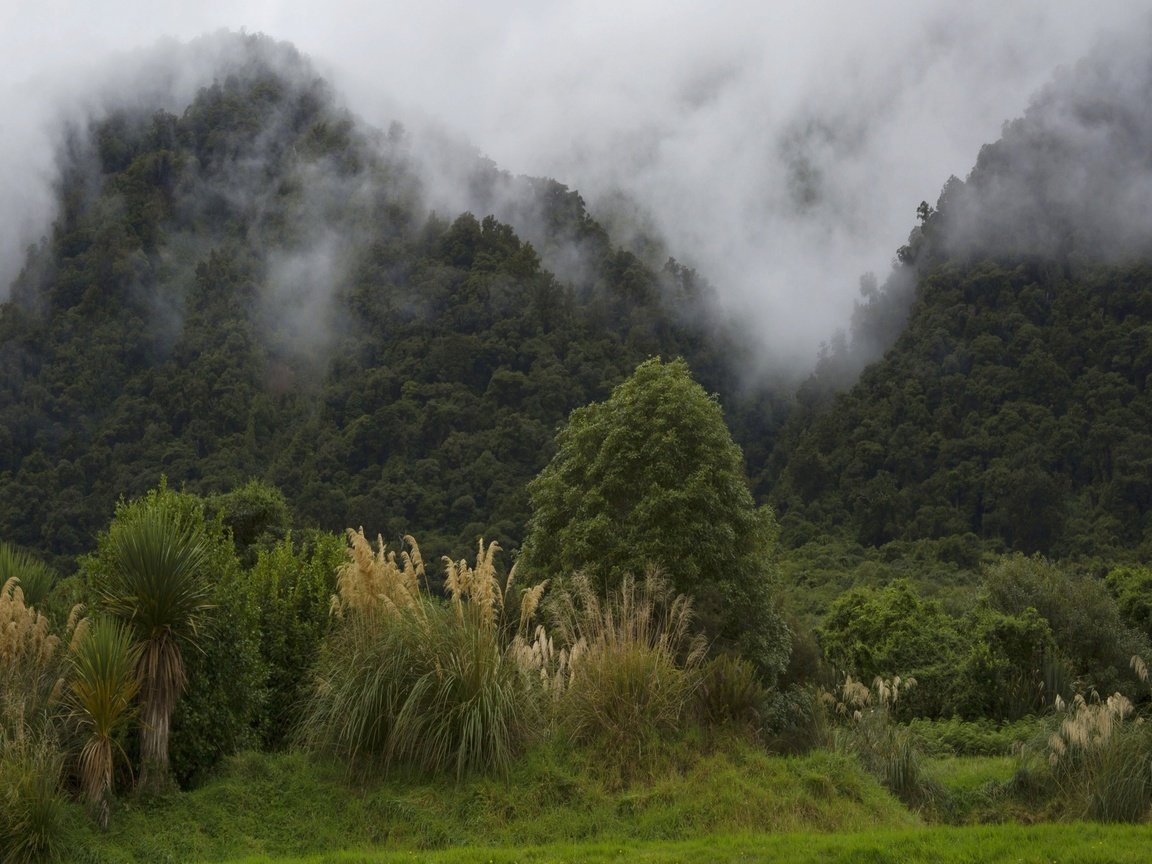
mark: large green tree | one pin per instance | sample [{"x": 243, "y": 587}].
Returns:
[{"x": 652, "y": 477}]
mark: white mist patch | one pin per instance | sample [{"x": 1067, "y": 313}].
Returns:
[
  {"x": 780, "y": 148},
  {"x": 296, "y": 309}
]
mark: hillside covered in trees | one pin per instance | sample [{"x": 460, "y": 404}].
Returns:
[
  {"x": 1014, "y": 404},
  {"x": 252, "y": 287}
]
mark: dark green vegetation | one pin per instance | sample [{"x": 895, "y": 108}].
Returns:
[
  {"x": 252, "y": 288},
  {"x": 1014, "y": 404},
  {"x": 250, "y": 298}
]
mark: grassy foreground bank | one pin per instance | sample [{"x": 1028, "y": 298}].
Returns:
[
  {"x": 1036, "y": 844},
  {"x": 269, "y": 807},
  {"x": 736, "y": 804}
]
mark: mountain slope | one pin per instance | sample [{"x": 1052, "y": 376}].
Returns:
[
  {"x": 1017, "y": 403},
  {"x": 254, "y": 288}
]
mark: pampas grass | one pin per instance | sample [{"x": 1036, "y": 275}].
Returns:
[
  {"x": 633, "y": 666},
  {"x": 405, "y": 681},
  {"x": 33, "y": 828},
  {"x": 1101, "y": 759},
  {"x": 886, "y": 749}
]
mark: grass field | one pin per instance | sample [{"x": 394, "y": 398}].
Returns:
[
  {"x": 1042, "y": 844},
  {"x": 735, "y": 805}
]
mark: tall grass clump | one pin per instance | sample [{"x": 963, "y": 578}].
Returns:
[
  {"x": 887, "y": 750},
  {"x": 407, "y": 681},
  {"x": 33, "y": 827},
  {"x": 30, "y": 663},
  {"x": 632, "y": 668},
  {"x": 31, "y": 681},
  {"x": 1101, "y": 760}
]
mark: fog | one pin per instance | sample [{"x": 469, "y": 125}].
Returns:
[{"x": 780, "y": 148}]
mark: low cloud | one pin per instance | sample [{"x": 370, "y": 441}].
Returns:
[{"x": 780, "y": 148}]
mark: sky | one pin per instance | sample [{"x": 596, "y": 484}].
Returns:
[{"x": 781, "y": 148}]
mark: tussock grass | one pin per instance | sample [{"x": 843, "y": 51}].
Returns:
[
  {"x": 33, "y": 829},
  {"x": 886, "y": 749},
  {"x": 634, "y": 666},
  {"x": 405, "y": 681},
  {"x": 35, "y": 577},
  {"x": 1101, "y": 760}
]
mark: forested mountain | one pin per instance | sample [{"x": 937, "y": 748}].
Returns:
[
  {"x": 1016, "y": 404},
  {"x": 253, "y": 287},
  {"x": 252, "y": 284}
]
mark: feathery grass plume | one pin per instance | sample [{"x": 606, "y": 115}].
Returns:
[
  {"x": 1100, "y": 758},
  {"x": 499, "y": 606},
  {"x": 406, "y": 681},
  {"x": 101, "y": 689},
  {"x": 373, "y": 580},
  {"x": 886, "y": 749},
  {"x": 634, "y": 664},
  {"x": 30, "y": 666},
  {"x": 36, "y": 577},
  {"x": 31, "y": 680}
]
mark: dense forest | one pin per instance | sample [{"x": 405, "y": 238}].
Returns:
[{"x": 252, "y": 289}]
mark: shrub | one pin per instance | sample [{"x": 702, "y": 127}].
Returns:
[
  {"x": 32, "y": 817},
  {"x": 290, "y": 587},
  {"x": 876, "y": 632},
  {"x": 406, "y": 681},
  {"x": 1101, "y": 760},
  {"x": 730, "y": 692},
  {"x": 634, "y": 664},
  {"x": 886, "y": 749}
]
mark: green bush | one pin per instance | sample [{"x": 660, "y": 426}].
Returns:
[
  {"x": 226, "y": 684},
  {"x": 291, "y": 586},
  {"x": 871, "y": 632},
  {"x": 730, "y": 692}
]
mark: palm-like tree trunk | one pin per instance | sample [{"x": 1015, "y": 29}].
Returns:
[{"x": 161, "y": 683}]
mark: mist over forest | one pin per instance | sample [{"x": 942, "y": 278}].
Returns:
[{"x": 781, "y": 151}]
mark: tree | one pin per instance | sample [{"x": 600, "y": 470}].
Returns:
[
  {"x": 892, "y": 631},
  {"x": 154, "y": 555},
  {"x": 652, "y": 477}
]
